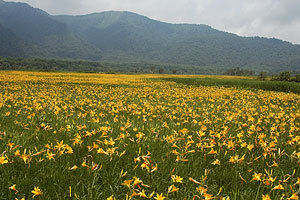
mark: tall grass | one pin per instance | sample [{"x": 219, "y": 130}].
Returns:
[{"x": 280, "y": 86}]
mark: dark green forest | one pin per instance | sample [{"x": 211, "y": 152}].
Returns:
[{"x": 49, "y": 65}]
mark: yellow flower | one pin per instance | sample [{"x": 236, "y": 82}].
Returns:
[
  {"x": 173, "y": 188},
  {"x": 298, "y": 181},
  {"x": 176, "y": 179},
  {"x": 225, "y": 198},
  {"x": 140, "y": 135},
  {"x": 127, "y": 183},
  {"x": 232, "y": 159},
  {"x": 73, "y": 168},
  {"x": 142, "y": 194},
  {"x": 266, "y": 197},
  {"x": 36, "y": 192},
  {"x": 216, "y": 162},
  {"x": 50, "y": 155},
  {"x": 101, "y": 151},
  {"x": 3, "y": 160},
  {"x": 60, "y": 145},
  {"x": 294, "y": 197},
  {"x": 17, "y": 153},
  {"x": 278, "y": 187},
  {"x": 13, "y": 187},
  {"x": 25, "y": 157},
  {"x": 250, "y": 147},
  {"x": 274, "y": 164},
  {"x": 159, "y": 197},
  {"x": 201, "y": 190},
  {"x": 111, "y": 198},
  {"x": 208, "y": 196},
  {"x": 212, "y": 151},
  {"x": 269, "y": 180},
  {"x": 193, "y": 180},
  {"x": 257, "y": 177},
  {"x": 136, "y": 181},
  {"x": 10, "y": 145}
]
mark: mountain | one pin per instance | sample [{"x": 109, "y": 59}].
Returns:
[
  {"x": 129, "y": 37},
  {"x": 10, "y": 44},
  {"x": 125, "y": 35},
  {"x": 41, "y": 35}
]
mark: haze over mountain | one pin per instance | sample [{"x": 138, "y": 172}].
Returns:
[
  {"x": 126, "y": 36},
  {"x": 35, "y": 33}
]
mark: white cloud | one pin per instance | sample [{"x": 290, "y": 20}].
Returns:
[{"x": 268, "y": 18}]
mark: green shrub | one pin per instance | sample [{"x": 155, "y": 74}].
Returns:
[
  {"x": 284, "y": 76},
  {"x": 262, "y": 76}
]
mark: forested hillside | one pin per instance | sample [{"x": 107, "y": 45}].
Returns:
[
  {"x": 34, "y": 33},
  {"x": 115, "y": 36}
]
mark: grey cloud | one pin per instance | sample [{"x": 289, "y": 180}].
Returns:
[{"x": 268, "y": 18}]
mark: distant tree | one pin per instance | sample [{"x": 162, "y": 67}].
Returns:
[
  {"x": 174, "y": 71},
  {"x": 161, "y": 71},
  {"x": 297, "y": 78},
  {"x": 262, "y": 76},
  {"x": 152, "y": 69},
  {"x": 239, "y": 72},
  {"x": 284, "y": 76}
]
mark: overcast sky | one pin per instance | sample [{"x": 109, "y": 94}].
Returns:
[{"x": 265, "y": 18}]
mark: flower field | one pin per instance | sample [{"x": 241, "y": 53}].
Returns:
[{"x": 100, "y": 136}]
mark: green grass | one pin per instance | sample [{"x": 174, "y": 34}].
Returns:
[{"x": 279, "y": 86}]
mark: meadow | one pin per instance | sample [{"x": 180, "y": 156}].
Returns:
[
  {"x": 101, "y": 136},
  {"x": 244, "y": 82}
]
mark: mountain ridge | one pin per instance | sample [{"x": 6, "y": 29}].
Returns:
[
  {"x": 127, "y": 36},
  {"x": 33, "y": 26},
  {"x": 167, "y": 23}
]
